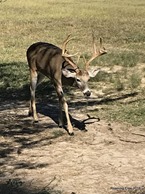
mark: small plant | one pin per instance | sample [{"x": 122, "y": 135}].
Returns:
[
  {"x": 128, "y": 59},
  {"x": 134, "y": 81},
  {"x": 118, "y": 84}
]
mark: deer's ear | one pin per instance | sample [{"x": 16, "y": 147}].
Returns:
[
  {"x": 94, "y": 72},
  {"x": 67, "y": 73}
]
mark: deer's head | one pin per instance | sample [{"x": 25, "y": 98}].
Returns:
[{"x": 82, "y": 76}]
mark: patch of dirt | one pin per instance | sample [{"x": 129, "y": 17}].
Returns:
[{"x": 109, "y": 158}]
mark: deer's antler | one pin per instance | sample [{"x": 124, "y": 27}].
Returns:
[
  {"x": 66, "y": 55},
  {"x": 64, "y": 51},
  {"x": 96, "y": 53}
]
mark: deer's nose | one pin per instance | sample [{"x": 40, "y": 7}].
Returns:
[{"x": 87, "y": 93}]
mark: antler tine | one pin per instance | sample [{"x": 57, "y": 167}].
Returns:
[
  {"x": 94, "y": 45},
  {"x": 84, "y": 58},
  {"x": 96, "y": 53},
  {"x": 64, "y": 53},
  {"x": 101, "y": 42},
  {"x": 78, "y": 59},
  {"x": 65, "y": 43},
  {"x": 102, "y": 49}
]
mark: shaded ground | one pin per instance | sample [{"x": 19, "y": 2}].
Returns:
[{"x": 42, "y": 158}]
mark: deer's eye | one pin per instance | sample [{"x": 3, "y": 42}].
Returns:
[{"x": 78, "y": 80}]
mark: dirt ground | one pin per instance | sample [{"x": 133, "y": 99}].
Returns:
[{"x": 108, "y": 158}]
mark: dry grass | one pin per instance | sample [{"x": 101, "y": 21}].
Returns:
[{"x": 120, "y": 23}]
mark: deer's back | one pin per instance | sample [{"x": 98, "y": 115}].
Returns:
[{"x": 45, "y": 57}]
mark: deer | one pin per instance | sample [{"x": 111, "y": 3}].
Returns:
[{"x": 46, "y": 59}]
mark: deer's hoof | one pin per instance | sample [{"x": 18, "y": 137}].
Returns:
[
  {"x": 30, "y": 114},
  {"x": 71, "y": 133},
  {"x": 60, "y": 126},
  {"x": 85, "y": 130},
  {"x": 35, "y": 122}
]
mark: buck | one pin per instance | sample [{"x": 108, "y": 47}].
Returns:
[{"x": 45, "y": 59}]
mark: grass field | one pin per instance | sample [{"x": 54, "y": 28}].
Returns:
[{"x": 119, "y": 22}]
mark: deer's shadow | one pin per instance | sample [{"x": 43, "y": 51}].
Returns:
[{"x": 52, "y": 112}]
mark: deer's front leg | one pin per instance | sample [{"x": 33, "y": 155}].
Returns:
[{"x": 63, "y": 104}]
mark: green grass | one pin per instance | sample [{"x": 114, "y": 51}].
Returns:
[
  {"x": 125, "y": 58},
  {"x": 131, "y": 112},
  {"x": 13, "y": 75},
  {"x": 119, "y": 22}
]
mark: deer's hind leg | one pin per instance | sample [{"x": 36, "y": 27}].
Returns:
[{"x": 35, "y": 80}]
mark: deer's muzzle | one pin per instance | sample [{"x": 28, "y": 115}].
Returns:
[{"x": 87, "y": 93}]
